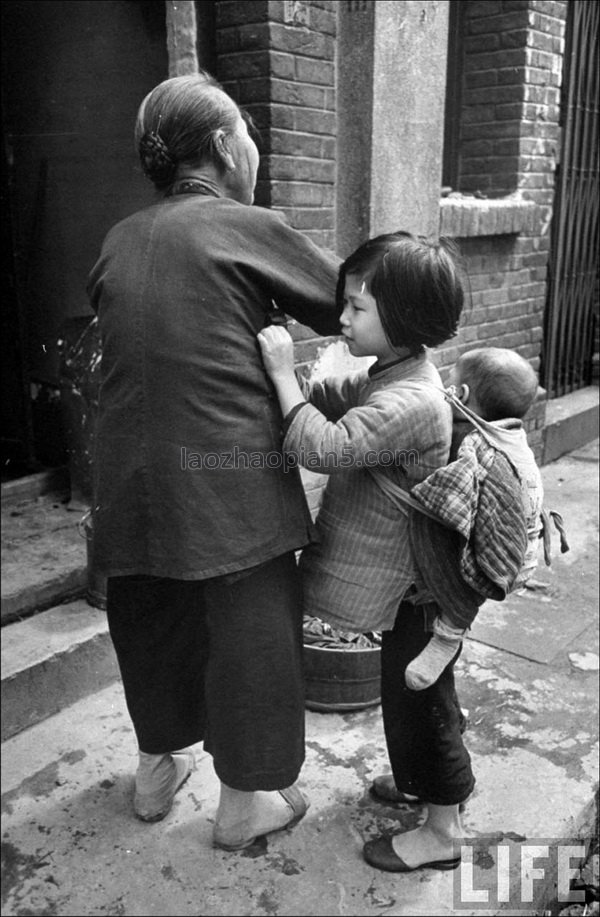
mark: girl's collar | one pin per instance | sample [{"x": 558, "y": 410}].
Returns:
[{"x": 377, "y": 368}]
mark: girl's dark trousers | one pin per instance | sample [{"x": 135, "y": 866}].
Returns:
[
  {"x": 422, "y": 728},
  {"x": 218, "y": 661}
]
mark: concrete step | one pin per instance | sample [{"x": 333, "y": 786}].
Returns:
[
  {"x": 52, "y": 660},
  {"x": 571, "y": 422},
  {"x": 44, "y": 556},
  {"x": 53, "y": 482}
]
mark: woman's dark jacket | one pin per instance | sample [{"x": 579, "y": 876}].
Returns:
[{"x": 189, "y": 476}]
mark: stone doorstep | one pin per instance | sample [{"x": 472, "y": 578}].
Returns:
[
  {"x": 52, "y": 660},
  {"x": 44, "y": 557},
  {"x": 39, "y": 597},
  {"x": 53, "y": 482},
  {"x": 571, "y": 422}
]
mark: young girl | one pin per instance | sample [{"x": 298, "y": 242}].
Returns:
[{"x": 400, "y": 294}]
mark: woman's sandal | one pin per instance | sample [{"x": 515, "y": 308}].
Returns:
[{"x": 296, "y": 801}]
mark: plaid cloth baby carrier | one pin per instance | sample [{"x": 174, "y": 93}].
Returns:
[{"x": 468, "y": 526}]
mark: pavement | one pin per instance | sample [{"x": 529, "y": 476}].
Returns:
[{"x": 528, "y": 680}]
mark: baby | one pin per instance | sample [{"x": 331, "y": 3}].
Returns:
[{"x": 496, "y": 387}]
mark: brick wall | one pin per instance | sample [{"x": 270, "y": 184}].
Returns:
[
  {"x": 512, "y": 63},
  {"x": 242, "y": 37},
  {"x": 509, "y": 144},
  {"x": 302, "y": 155},
  {"x": 495, "y": 50},
  {"x": 503, "y": 308},
  {"x": 278, "y": 60}
]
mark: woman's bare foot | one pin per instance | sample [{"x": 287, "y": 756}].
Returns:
[{"x": 242, "y": 817}]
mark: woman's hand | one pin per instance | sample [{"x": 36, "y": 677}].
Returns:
[{"x": 277, "y": 349}]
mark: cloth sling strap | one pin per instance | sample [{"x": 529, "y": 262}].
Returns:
[
  {"x": 453, "y": 399},
  {"x": 399, "y": 497}
]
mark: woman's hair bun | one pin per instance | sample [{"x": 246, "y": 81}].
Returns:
[{"x": 157, "y": 163}]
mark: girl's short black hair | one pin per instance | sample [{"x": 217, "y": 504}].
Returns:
[{"x": 416, "y": 283}]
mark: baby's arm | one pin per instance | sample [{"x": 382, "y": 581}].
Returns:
[{"x": 277, "y": 349}]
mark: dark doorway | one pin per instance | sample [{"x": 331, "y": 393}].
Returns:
[{"x": 74, "y": 74}]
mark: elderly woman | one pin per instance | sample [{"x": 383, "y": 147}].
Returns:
[{"x": 196, "y": 517}]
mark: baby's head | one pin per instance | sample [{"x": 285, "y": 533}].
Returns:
[
  {"x": 416, "y": 285},
  {"x": 495, "y": 383}
]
